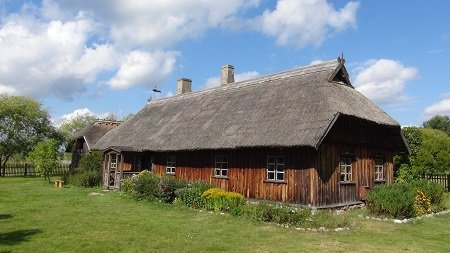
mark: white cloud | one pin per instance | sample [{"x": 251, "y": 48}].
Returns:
[
  {"x": 384, "y": 81},
  {"x": 215, "y": 80},
  {"x": 143, "y": 68},
  {"x": 77, "y": 113},
  {"x": 316, "y": 62},
  {"x": 303, "y": 23},
  {"x": 50, "y": 58},
  {"x": 157, "y": 24},
  {"x": 440, "y": 108}
]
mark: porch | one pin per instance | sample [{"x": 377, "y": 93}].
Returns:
[{"x": 120, "y": 164}]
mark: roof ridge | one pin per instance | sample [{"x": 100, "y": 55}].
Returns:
[{"x": 303, "y": 70}]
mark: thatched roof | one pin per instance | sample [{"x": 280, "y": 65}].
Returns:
[
  {"x": 292, "y": 108},
  {"x": 95, "y": 131}
]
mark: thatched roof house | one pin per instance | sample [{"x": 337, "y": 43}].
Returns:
[
  {"x": 86, "y": 138},
  {"x": 302, "y": 109}
]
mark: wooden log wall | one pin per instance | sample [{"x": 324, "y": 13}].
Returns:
[
  {"x": 328, "y": 190},
  {"x": 311, "y": 177}
]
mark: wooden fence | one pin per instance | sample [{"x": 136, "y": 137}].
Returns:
[
  {"x": 442, "y": 179},
  {"x": 26, "y": 169}
]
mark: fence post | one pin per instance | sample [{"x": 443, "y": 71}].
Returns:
[
  {"x": 26, "y": 169},
  {"x": 448, "y": 182}
]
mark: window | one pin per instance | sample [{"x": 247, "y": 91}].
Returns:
[
  {"x": 113, "y": 162},
  {"x": 171, "y": 165},
  {"x": 275, "y": 168},
  {"x": 221, "y": 166},
  {"x": 346, "y": 169},
  {"x": 379, "y": 169}
]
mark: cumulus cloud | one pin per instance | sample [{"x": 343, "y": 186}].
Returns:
[
  {"x": 159, "y": 23},
  {"x": 215, "y": 80},
  {"x": 143, "y": 68},
  {"x": 47, "y": 58},
  {"x": 384, "y": 81},
  {"x": 440, "y": 108},
  {"x": 77, "y": 113},
  {"x": 303, "y": 23}
]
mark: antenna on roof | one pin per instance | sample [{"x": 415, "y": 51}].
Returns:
[{"x": 341, "y": 58}]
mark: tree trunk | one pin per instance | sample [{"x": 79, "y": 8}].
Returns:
[{"x": 3, "y": 165}]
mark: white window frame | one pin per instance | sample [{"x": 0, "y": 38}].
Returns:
[
  {"x": 275, "y": 168},
  {"x": 346, "y": 169},
  {"x": 221, "y": 166},
  {"x": 171, "y": 165},
  {"x": 379, "y": 169},
  {"x": 113, "y": 161}
]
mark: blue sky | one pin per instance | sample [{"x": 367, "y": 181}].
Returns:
[{"x": 106, "y": 56}]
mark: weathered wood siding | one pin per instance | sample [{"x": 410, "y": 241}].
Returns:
[
  {"x": 328, "y": 189},
  {"x": 311, "y": 176}
]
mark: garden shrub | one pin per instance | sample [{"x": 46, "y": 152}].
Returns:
[
  {"x": 82, "y": 178},
  {"x": 220, "y": 200},
  {"x": 149, "y": 186},
  {"x": 146, "y": 186},
  {"x": 91, "y": 162},
  {"x": 404, "y": 200},
  {"x": 394, "y": 200},
  {"x": 434, "y": 191},
  {"x": 191, "y": 195},
  {"x": 167, "y": 188},
  {"x": 88, "y": 173},
  {"x": 127, "y": 185}
]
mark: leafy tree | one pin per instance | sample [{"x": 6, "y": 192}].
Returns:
[
  {"x": 45, "y": 157},
  {"x": 433, "y": 155},
  {"x": 439, "y": 122},
  {"x": 23, "y": 123},
  {"x": 430, "y": 153}
]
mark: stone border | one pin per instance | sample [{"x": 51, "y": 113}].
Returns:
[{"x": 398, "y": 221}]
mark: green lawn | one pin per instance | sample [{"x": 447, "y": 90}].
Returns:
[{"x": 35, "y": 217}]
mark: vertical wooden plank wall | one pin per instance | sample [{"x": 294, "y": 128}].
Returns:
[{"x": 311, "y": 177}]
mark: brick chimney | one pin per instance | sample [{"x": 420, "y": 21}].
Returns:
[
  {"x": 183, "y": 86},
  {"x": 227, "y": 74}
]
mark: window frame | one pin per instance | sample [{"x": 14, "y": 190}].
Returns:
[
  {"x": 377, "y": 167},
  {"x": 272, "y": 168},
  {"x": 113, "y": 165},
  {"x": 346, "y": 169},
  {"x": 221, "y": 171},
  {"x": 171, "y": 165}
]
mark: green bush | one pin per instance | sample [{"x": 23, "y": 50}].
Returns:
[
  {"x": 434, "y": 191},
  {"x": 167, "y": 187},
  {"x": 90, "y": 178},
  {"x": 127, "y": 185},
  {"x": 149, "y": 186},
  {"x": 399, "y": 200},
  {"x": 146, "y": 186},
  {"x": 83, "y": 178},
  {"x": 192, "y": 194},
  {"x": 220, "y": 200},
  {"x": 91, "y": 162},
  {"x": 395, "y": 200}
]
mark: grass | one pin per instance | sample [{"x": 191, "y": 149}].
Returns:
[{"x": 36, "y": 217}]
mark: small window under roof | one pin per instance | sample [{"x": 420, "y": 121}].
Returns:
[{"x": 341, "y": 76}]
